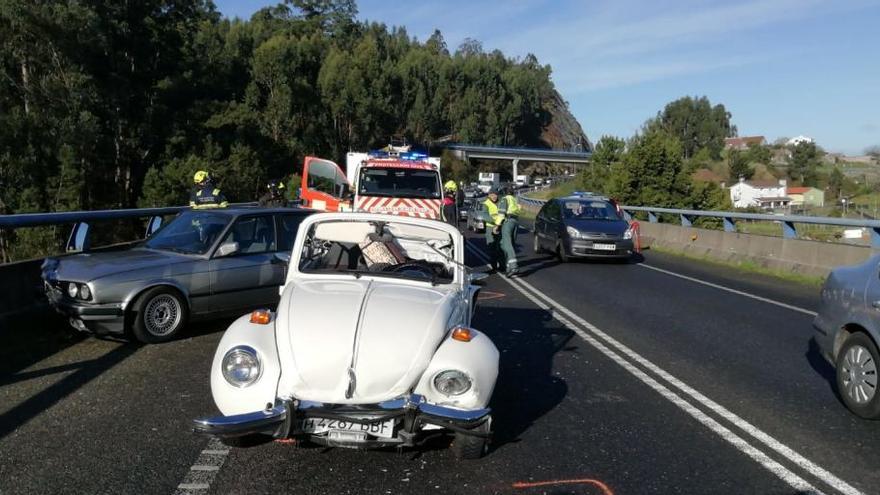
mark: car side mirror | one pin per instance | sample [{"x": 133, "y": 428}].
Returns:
[
  {"x": 478, "y": 278},
  {"x": 227, "y": 249},
  {"x": 282, "y": 258}
]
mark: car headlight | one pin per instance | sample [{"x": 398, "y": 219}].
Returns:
[
  {"x": 573, "y": 232},
  {"x": 241, "y": 366},
  {"x": 628, "y": 234},
  {"x": 72, "y": 289},
  {"x": 452, "y": 382},
  {"x": 84, "y": 292}
]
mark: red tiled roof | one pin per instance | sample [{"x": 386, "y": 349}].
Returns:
[{"x": 797, "y": 190}]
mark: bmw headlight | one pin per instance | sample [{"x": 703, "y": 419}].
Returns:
[
  {"x": 573, "y": 232},
  {"x": 79, "y": 291},
  {"x": 628, "y": 234},
  {"x": 72, "y": 289},
  {"x": 84, "y": 292},
  {"x": 241, "y": 366},
  {"x": 452, "y": 382}
]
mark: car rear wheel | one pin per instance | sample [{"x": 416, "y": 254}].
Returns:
[
  {"x": 560, "y": 253},
  {"x": 467, "y": 447},
  {"x": 159, "y": 315},
  {"x": 857, "y": 376}
]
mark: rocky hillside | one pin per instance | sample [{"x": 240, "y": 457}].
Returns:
[{"x": 564, "y": 131}]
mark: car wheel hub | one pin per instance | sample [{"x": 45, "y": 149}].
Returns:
[
  {"x": 859, "y": 374},
  {"x": 162, "y": 315}
]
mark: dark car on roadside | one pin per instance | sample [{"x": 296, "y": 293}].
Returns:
[
  {"x": 202, "y": 264},
  {"x": 583, "y": 225},
  {"x": 476, "y": 216}
]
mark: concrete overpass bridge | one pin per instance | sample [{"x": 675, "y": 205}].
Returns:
[{"x": 516, "y": 155}]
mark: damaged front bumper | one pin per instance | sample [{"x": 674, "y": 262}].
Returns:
[{"x": 412, "y": 415}]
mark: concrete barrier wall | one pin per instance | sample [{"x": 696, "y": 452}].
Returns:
[
  {"x": 795, "y": 255},
  {"x": 20, "y": 286}
]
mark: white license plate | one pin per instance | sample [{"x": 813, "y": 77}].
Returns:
[
  {"x": 604, "y": 247},
  {"x": 383, "y": 429}
]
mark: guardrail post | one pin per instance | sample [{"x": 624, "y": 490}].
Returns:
[
  {"x": 788, "y": 230},
  {"x": 652, "y": 217},
  {"x": 729, "y": 224},
  {"x": 685, "y": 221}
]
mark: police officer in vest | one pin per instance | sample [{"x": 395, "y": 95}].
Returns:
[
  {"x": 494, "y": 221},
  {"x": 205, "y": 194},
  {"x": 509, "y": 208}
]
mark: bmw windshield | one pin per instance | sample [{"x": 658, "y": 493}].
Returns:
[
  {"x": 399, "y": 183},
  {"x": 589, "y": 210},
  {"x": 192, "y": 232}
]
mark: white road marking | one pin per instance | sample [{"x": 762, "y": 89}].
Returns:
[
  {"x": 203, "y": 471},
  {"x": 728, "y": 289},
  {"x": 782, "y": 472}
]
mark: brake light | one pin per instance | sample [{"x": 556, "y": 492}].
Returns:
[{"x": 261, "y": 317}]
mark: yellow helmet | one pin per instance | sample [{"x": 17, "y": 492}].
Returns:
[
  {"x": 200, "y": 176},
  {"x": 450, "y": 185}
]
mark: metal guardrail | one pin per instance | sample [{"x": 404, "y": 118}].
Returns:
[
  {"x": 79, "y": 235},
  {"x": 729, "y": 218}
]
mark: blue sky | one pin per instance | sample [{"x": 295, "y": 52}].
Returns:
[{"x": 781, "y": 67}]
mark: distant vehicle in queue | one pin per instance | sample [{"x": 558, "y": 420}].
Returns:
[
  {"x": 583, "y": 225},
  {"x": 847, "y": 329},
  {"x": 202, "y": 264},
  {"x": 476, "y": 217}
]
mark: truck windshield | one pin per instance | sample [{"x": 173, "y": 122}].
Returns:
[{"x": 399, "y": 183}]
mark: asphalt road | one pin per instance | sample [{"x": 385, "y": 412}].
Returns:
[{"x": 616, "y": 378}]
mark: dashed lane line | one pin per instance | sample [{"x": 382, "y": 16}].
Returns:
[
  {"x": 728, "y": 289},
  {"x": 591, "y": 334},
  {"x": 201, "y": 474}
]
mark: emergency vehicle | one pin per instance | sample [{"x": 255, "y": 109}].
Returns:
[{"x": 393, "y": 180}]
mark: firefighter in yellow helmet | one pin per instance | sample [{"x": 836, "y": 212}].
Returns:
[
  {"x": 274, "y": 195},
  {"x": 450, "y": 208},
  {"x": 205, "y": 194}
]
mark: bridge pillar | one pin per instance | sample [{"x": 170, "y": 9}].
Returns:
[{"x": 515, "y": 168}]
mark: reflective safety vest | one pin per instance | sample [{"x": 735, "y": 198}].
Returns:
[
  {"x": 494, "y": 216},
  {"x": 512, "y": 206},
  {"x": 207, "y": 197}
]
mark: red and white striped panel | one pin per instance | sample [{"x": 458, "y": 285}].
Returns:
[{"x": 407, "y": 207}]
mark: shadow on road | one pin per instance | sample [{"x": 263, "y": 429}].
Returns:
[
  {"x": 31, "y": 337},
  {"x": 46, "y": 398},
  {"x": 821, "y": 366},
  {"x": 527, "y": 388}
]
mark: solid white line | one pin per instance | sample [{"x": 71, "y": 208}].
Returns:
[
  {"x": 205, "y": 468},
  {"x": 783, "y": 473},
  {"x": 193, "y": 486},
  {"x": 728, "y": 289}
]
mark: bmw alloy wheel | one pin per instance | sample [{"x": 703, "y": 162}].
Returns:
[{"x": 162, "y": 315}]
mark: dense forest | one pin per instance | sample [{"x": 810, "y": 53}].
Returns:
[{"x": 108, "y": 104}]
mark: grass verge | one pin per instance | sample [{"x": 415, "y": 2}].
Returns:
[{"x": 748, "y": 267}]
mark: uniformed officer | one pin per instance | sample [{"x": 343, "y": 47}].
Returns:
[
  {"x": 494, "y": 221},
  {"x": 509, "y": 208},
  {"x": 205, "y": 194},
  {"x": 274, "y": 195}
]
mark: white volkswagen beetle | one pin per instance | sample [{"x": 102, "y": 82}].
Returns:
[{"x": 371, "y": 344}]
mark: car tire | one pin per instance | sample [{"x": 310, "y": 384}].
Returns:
[
  {"x": 469, "y": 447},
  {"x": 857, "y": 364},
  {"x": 159, "y": 315},
  {"x": 560, "y": 253}
]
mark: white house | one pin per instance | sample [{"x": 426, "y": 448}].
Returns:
[
  {"x": 763, "y": 194},
  {"x": 799, "y": 140}
]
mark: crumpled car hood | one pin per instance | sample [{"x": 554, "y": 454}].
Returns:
[{"x": 358, "y": 342}]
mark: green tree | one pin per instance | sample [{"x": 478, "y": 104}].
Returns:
[
  {"x": 738, "y": 165},
  {"x": 758, "y": 154},
  {"x": 835, "y": 182},
  {"x": 803, "y": 163},
  {"x": 697, "y": 124}
]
